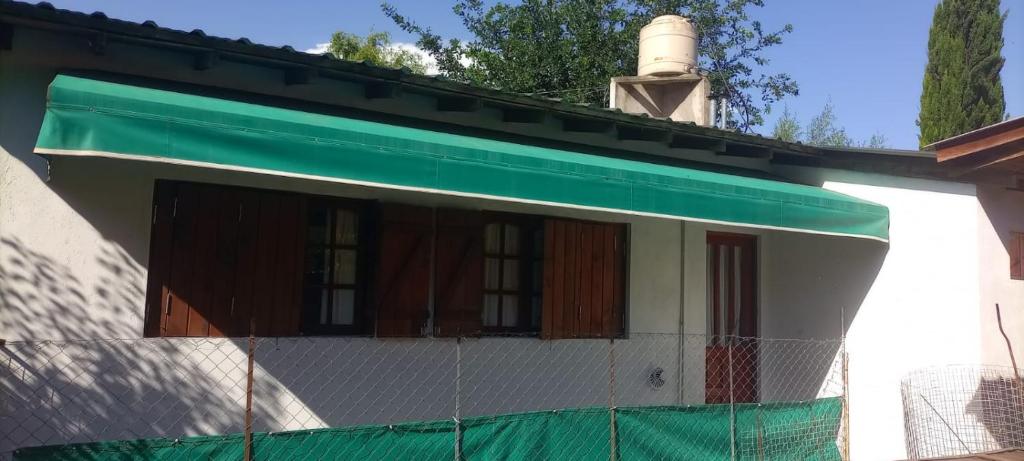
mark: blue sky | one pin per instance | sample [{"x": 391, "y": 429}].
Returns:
[{"x": 866, "y": 55}]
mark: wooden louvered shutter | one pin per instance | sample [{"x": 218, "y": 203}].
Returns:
[
  {"x": 584, "y": 279},
  {"x": 402, "y": 281},
  {"x": 221, "y": 255},
  {"x": 459, "y": 271}
]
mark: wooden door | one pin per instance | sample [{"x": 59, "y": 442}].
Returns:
[{"x": 731, "y": 355}]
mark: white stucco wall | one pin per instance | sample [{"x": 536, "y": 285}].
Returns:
[
  {"x": 74, "y": 242},
  {"x": 1001, "y": 212},
  {"x": 920, "y": 310}
]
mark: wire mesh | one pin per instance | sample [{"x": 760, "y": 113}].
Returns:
[
  {"x": 648, "y": 396},
  {"x": 961, "y": 410}
]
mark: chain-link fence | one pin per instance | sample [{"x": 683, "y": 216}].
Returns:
[
  {"x": 961, "y": 410},
  {"x": 648, "y": 396}
]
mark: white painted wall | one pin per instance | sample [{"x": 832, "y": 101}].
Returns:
[
  {"x": 74, "y": 248},
  {"x": 919, "y": 311},
  {"x": 1001, "y": 212}
]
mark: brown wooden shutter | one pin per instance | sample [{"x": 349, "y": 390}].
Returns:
[
  {"x": 402, "y": 281},
  {"x": 584, "y": 279},
  {"x": 458, "y": 290},
  {"x": 1017, "y": 256},
  {"x": 221, "y": 255},
  {"x": 160, "y": 252}
]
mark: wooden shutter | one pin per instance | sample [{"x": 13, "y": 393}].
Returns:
[
  {"x": 459, "y": 271},
  {"x": 220, "y": 256},
  {"x": 584, "y": 279},
  {"x": 1017, "y": 256},
  {"x": 402, "y": 281}
]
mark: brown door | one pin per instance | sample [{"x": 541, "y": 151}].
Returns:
[{"x": 731, "y": 355}]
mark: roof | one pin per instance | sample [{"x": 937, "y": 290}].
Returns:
[
  {"x": 992, "y": 154},
  {"x": 983, "y": 132},
  {"x": 300, "y": 66}
]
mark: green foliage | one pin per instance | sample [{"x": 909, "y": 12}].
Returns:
[
  {"x": 876, "y": 141},
  {"x": 376, "y": 49},
  {"x": 571, "y": 48},
  {"x": 787, "y": 127},
  {"x": 823, "y": 130},
  {"x": 962, "y": 90}
]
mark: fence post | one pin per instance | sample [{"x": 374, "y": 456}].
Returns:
[
  {"x": 846, "y": 384},
  {"x": 248, "y": 390},
  {"x": 458, "y": 398},
  {"x": 732, "y": 404},
  {"x": 846, "y": 403},
  {"x": 613, "y": 437}
]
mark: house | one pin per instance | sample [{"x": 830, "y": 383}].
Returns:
[{"x": 406, "y": 248}]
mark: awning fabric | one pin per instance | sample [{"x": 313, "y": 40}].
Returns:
[{"x": 86, "y": 117}]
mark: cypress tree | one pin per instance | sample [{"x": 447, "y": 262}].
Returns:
[{"x": 962, "y": 90}]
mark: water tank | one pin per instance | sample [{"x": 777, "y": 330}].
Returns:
[{"x": 668, "y": 47}]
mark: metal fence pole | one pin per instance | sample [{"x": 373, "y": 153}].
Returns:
[
  {"x": 612, "y": 439},
  {"x": 732, "y": 405},
  {"x": 458, "y": 398},
  {"x": 846, "y": 384},
  {"x": 248, "y": 390}
]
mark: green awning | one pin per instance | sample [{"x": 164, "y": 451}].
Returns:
[{"x": 86, "y": 117}]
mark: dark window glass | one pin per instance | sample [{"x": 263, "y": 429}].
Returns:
[{"x": 332, "y": 296}]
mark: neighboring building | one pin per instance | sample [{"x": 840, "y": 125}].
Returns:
[
  {"x": 993, "y": 158},
  {"x": 164, "y": 184}
]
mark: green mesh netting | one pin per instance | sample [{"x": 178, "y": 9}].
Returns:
[{"x": 778, "y": 431}]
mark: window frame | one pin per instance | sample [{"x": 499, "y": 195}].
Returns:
[
  {"x": 529, "y": 225},
  {"x": 362, "y": 323}
]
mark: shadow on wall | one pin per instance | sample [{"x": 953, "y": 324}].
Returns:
[
  {"x": 998, "y": 404},
  {"x": 103, "y": 389}
]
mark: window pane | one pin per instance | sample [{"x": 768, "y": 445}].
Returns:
[
  {"x": 538, "y": 276},
  {"x": 318, "y": 226},
  {"x": 491, "y": 273},
  {"x": 490, "y": 313},
  {"x": 343, "y": 307},
  {"x": 511, "y": 239},
  {"x": 345, "y": 266},
  {"x": 314, "y": 300},
  {"x": 538, "y": 243},
  {"x": 510, "y": 276},
  {"x": 346, "y": 230},
  {"x": 509, "y": 311},
  {"x": 316, "y": 265},
  {"x": 492, "y": 238}
]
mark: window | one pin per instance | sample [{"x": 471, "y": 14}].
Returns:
[
  {"x": 513, "y": 265},
  {"x": 333, "y": 298},
  {"x": 226, "y": 259},
  {"x": 1017, "y": 255}
]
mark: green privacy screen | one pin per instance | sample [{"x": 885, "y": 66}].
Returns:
[
  {"x": 97, "y": 118},
  {"x": 794, "y": 431}
]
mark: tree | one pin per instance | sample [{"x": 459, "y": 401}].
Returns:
[
  {"x": 787, "y": 127},
  {"x": 823, "y": 130},
  {"x": 571, "y": 48},
  {"x": 376, "y": 49},
  {"x": 962, "y": 90}
]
